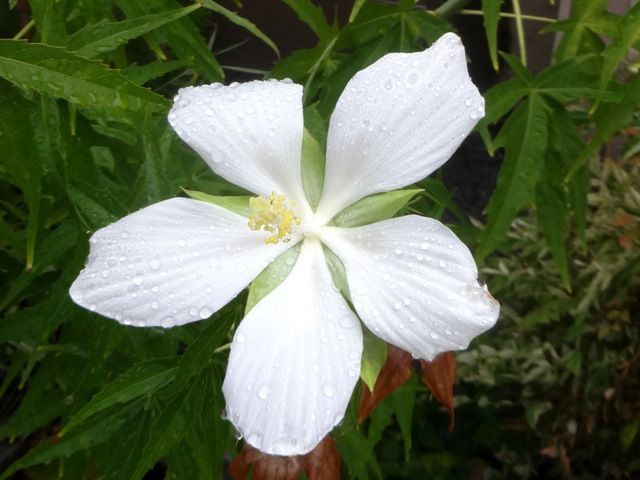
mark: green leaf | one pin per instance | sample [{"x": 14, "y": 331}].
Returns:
[
  {"x": 629, "y": 433},
  {"x": 241, "y": 22},
  {"x": 628, "y": 33},
  {"x": 610, "y": 119},
  {"x": 520, "y": 70},
  {"x": 105, "y": 36},
  {"x": 55, "y": 246},
  {"x": 313, "y": 16},
  {"x": 503, "y": 97},
  {"x": 374, "y": 208},
  {"x": 491, "y": 13},
  {"x": 197, "y": 355},
  {"x": 21, "y": 167},
  {"x": 63, "y": 74},
  {"x": 524, "y": 135},
  {"x": 587, "y": 16},
  {"x": 183, "y": 36},
  {"x": 90, "y": 435},
  {"x": 237, "y": 204},
  {"x": 141, "y": 379},
  {"x": 374, "y": 355},
  {"x": 568, "y": 81},
  {"x": 313, "y": 162},
  {"x": 404, "y": 399},
  {"x": 357, "y": 5},
  {"x": 145, "y": 73},
  {"x": 272, "y": 276},
  {"x": 553, "y": 217},
  {"x": 50, "y": 21},
  {"x": 169, "y": 427}
]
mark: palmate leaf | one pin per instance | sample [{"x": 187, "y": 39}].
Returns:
[
  {"x": 587, "y": 17},
  {"x": 104, "y": 36},
  {"x": 524, "y": 136},
  {"x": 62, "y": 74}
]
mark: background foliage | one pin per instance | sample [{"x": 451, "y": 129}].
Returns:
[{"x": 551, "y": 392}]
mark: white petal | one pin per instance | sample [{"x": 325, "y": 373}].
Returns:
[
  {"x": 414, "y": 284},
  {"x": 397, "y": 121},
  {"x": 250, "y": 133},
  {"x": 294, "y": 361},
  {"x": 171, "y": 263}
]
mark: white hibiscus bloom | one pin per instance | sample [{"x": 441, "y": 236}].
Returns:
[{"x": 295, "y": 358}]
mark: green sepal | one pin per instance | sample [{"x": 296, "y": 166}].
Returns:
[
  {"x": 374, "y": 355},
  {"x": 272, "y": 276},
  {"x": 374, "y": 208},
  {"x": 237, "y": 204},
  {"x": 338, "y": 272},
  {"x": 313, "y": 162}
]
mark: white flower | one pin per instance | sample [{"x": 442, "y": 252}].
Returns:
[{"x": 295, "y": 357}]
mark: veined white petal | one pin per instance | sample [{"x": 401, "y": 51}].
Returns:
[
  {"x": 414, "y": 284},
  {"x": 397, "y": 121},
  {"x": 249, "y": 133},
  {"x": 294, "y": 361},
  {"x": 171, "y": 263}
]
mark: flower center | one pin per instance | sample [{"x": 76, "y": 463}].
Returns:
[{"x": 274, "y": 215}]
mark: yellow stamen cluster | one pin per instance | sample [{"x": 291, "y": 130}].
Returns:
[{"x": 273, "y": 215}]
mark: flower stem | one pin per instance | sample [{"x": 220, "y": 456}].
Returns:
[
  {"x": 520, "y": 30},
  {"x": 532, "y": 18},
  {"x": 451, "y": 7},
  {"x": 222, "y": 348},
  {"x": 24, "y": 30}
]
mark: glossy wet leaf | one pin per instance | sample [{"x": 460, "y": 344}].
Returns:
[{"x": 63, "y": 74}]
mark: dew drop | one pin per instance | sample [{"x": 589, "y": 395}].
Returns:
[
  {"x": 205, "y": 312},
  {"x": 167, "y": 322},
  {"x": 328, "y": 390},
  {"x": 263, "y": 392},
  {"x": 155, "y": 305},
  {"x": 124, "y": 235},
  {"x": 154, "y": 264},
  {"x": 241, "y": 338},
  {"x": 388, "y": 84}
]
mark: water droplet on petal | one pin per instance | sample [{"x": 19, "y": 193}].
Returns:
[
  {"x": 263, "y": 392},
  {"x": 328, "y": 390},
  {"x": 205, "y": 312}
]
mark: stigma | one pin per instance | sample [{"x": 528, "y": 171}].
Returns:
[{"x": 274, "y": 215}]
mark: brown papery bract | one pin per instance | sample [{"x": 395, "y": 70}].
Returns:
[
  {"x": 322, "y": 463},
  {"x": 440, "y": 375}
]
